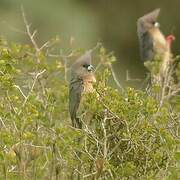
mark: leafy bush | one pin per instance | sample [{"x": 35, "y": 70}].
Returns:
[{"x": 126, "y": 134}]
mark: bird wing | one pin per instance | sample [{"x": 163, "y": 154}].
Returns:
[
  {"x": 146, "y": 46},
  {"x": 75, "y": 92}
]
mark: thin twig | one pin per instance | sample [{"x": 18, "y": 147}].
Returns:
[
  {"x": 31, "y": 35},
  {"x": 115, "y": 78},
  {"x": 3, "y": 124},
  {"x": 105, "y": 135},
  {"x": 32, "y": 87},
  {"x": 16, "y": 86}
]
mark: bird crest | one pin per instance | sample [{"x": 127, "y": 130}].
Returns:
[{"x": 148, "y": 21}]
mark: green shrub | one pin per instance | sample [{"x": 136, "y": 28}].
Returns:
[{"x": 126, "y": 134}]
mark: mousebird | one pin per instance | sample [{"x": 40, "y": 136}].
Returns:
[{"x": 82, "y": 79}]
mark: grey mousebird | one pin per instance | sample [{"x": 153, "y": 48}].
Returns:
[
  {"x": 82, "y": 79},
  {"x": 153, "y": 43},
  {"x": 151, "y": 39}
]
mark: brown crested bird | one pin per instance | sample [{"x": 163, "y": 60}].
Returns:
[
  {"x": 153, "y": 43},
  {"x": 82, "y": 79},
  {"x": 151, "y": 39}
]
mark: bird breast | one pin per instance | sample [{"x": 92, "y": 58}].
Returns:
[
  {"x": 88, "y": 81},
  {"x": 161, "y": 48},
  {"x": 159, "y": 41}
]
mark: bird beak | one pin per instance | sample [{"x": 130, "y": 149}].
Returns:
[
  {"x": 90, "y": 68},
  {"x": 157, "y": 25}
]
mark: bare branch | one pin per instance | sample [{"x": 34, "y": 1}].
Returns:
[
  {"x": 31, "y": 35},
  {"x": 46, "y": 44},
  {"x": 34, "y": 33},
  {"x": 2, "y": 123},
  {"x": 16, "y": 86},
  {"x": 31, "y": 89},
  {"x": 105, "y": 135},
  {"x": 115, "y": 78}
]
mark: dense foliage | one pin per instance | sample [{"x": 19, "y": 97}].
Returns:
[{"x": 126, "y": 134}]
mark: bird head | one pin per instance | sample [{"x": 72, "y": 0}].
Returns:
[
  {"x": 148, "y": 21},
  {"x": 83, "y": 68}
]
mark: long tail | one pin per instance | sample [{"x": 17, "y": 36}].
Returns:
[{"x": 76, "y": 122}]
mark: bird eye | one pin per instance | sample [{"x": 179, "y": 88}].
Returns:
[{"x": 85, "y": 65}]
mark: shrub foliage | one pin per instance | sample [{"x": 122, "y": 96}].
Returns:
[{"x": 126, "y": 134}]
